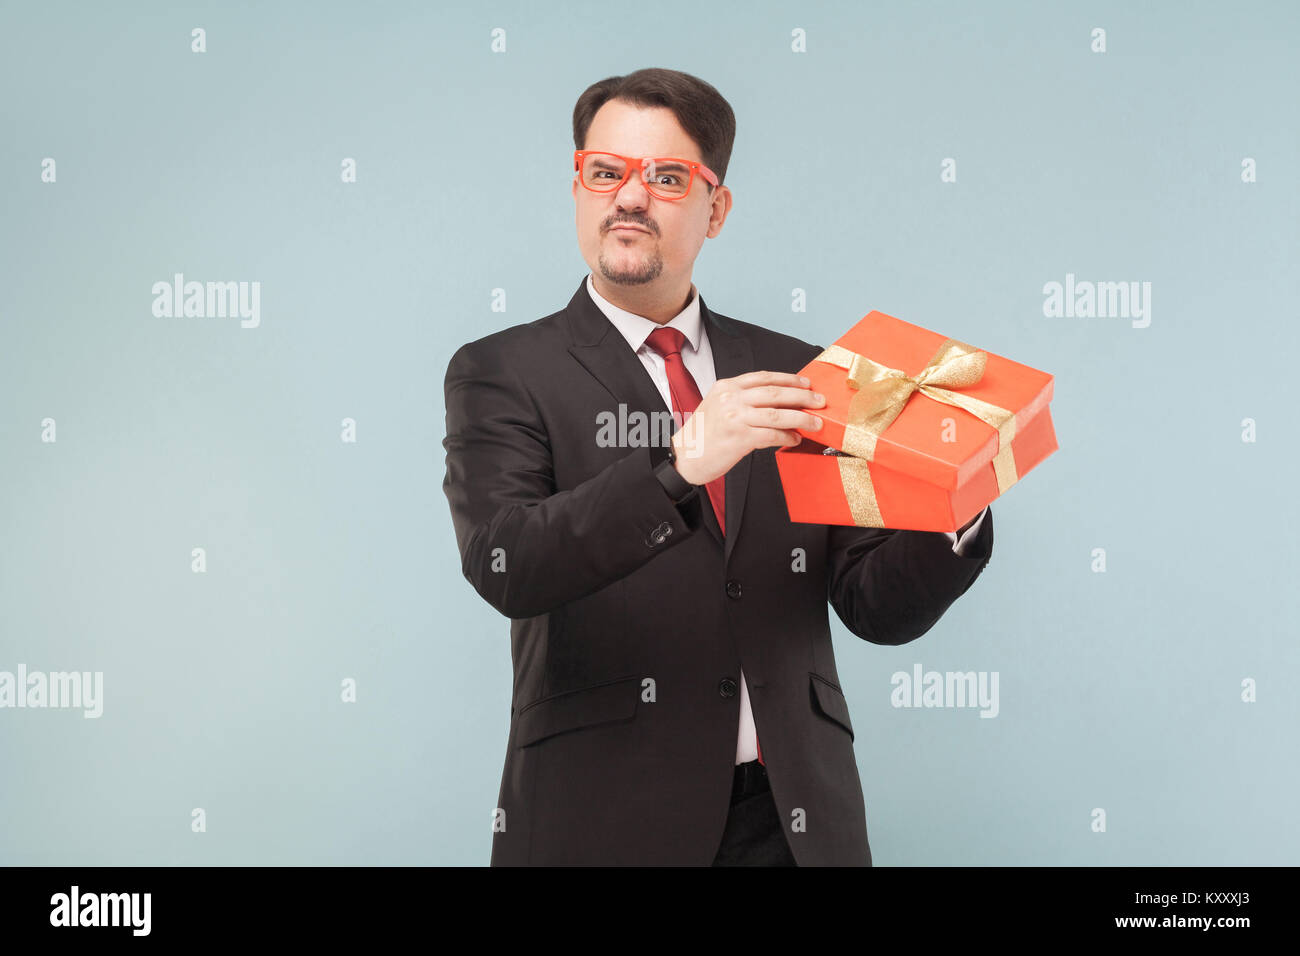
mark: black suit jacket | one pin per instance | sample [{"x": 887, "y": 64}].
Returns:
[{"x": 631, "y": 617}]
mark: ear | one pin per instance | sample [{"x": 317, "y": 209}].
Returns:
[{"x": 719, "y": 211}]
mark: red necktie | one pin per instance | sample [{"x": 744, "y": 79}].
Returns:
[{"x": 685, "y": 394}]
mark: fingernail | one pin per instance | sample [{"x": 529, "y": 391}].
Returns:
[
  {"x": 818, "y": 423},
  {"x": 819, "y": 397},
  {"x": 803, "y": 380}
]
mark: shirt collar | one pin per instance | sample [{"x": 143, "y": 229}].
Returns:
[{"x": 636, "y": 328}]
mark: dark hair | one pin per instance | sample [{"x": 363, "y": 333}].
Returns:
[{"x": 700, "y": 109}]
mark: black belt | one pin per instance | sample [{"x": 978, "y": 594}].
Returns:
[{"x": 750, "y": 778}]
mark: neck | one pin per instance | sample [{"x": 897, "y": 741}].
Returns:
[{"x": 659, "y": 305}]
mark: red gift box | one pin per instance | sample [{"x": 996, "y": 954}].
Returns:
[{"x": 929, "y": 430}]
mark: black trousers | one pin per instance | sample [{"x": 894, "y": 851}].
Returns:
[{"x": 755, "y": 833}]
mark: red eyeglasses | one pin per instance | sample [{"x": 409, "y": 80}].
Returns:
[{"x": 664, "y": 177}]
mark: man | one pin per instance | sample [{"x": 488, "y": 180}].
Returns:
[{"x": 675, "y": 700}]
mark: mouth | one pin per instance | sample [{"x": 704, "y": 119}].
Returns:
[{"x": 628, "y": 229}]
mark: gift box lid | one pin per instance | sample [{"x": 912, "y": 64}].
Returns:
[{"x": 938, "y": 442}]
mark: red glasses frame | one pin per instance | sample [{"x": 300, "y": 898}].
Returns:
[{"x": 638, "y": 163}]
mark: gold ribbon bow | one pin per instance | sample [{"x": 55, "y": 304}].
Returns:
[{"x": 882, "y": 393}]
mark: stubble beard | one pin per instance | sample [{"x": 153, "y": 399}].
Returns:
[{"x": 647, "y": 269}]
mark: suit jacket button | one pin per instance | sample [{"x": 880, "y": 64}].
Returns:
[
  {"x": 727, "y": 687},
  {"x": 659, "y": 535},
  {"x": 733, "y": 589}
]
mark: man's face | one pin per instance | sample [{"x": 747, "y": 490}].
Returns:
[{"x": 674, "y": 230}]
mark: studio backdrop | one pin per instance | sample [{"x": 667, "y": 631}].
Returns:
[{"x": 233, "y": 622}]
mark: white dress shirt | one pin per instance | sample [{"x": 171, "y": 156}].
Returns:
[{"x": 697, "y": 356}]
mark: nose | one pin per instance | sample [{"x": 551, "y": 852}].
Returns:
[{"x": 632, "y": 195}]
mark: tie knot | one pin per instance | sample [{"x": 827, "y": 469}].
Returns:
[{"x": 666, "y": 341}]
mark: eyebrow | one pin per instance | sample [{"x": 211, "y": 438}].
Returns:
[{"x": 601, "y": 161}]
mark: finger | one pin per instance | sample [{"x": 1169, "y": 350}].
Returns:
[
  {"x": 767, "y": 437},
  {"x": 782, "y": 418},
  {"x": 763, "y": 395},
  {"x": 751, "y": 379}
]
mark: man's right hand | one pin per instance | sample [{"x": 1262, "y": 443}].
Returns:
[{"x": 754, "y": 410}]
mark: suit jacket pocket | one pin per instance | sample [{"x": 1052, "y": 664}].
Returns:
[
  {"x": 571, "y": 710},
  {"x": 829, "y": 700}
]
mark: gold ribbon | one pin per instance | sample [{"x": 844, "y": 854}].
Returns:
[{"x": 881, "y": 393}]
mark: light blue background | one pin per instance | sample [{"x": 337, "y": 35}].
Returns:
[{"x": 329, "y": 560}]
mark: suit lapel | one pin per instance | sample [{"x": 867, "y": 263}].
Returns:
[{"x": 603, "y": 352}]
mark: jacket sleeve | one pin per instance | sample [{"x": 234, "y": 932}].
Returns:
[
  {"x": 890, "y": 587},
  {"x": 525, "y": 547}
]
